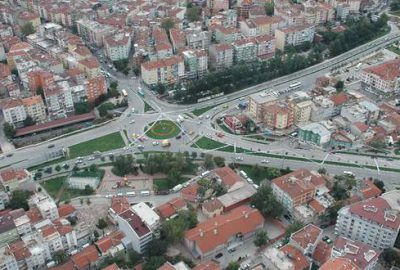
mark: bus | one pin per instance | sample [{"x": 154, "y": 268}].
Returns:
[
  {"x": 295, "y": 85},
  {"x": 124, "y": 93}
]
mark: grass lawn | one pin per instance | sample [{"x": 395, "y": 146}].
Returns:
[
  {"x": 263, "y": 173},
  {"x": 162, "y": 184},
  {"x": 207, "y": 143},
  {"x": 225, "y": 128},
  {"x": 394, "y": 49},
  {"x": 147, "y": 107},
  {"x": 68, "y": 194},
  {"x": 54, "y": 185},
  {"x": 199, "y": 112},
  {"x": 102, "y": 144},
  {"x": 163, "y": 129}
]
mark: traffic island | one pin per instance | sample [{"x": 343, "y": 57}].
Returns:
[{"x": 162, "y": 129}]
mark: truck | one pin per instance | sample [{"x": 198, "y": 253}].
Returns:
[
  {"x": 165, "y": 143},
  {"x": 177, "y": 188}
]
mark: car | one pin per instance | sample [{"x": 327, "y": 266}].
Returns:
[
  {"x": 133, "y": 110},
  {"x": 220, "y": 134},
  {"x": 219, "y": 255},
  {"x": 9, "y": 155},
  {"x": 1, "y": 157},
  {"x": 264, "y": 161},
  {"x": 287, "y": 217},
  {"x": 178, "y": 137},
  {"x": 225, "y": 106},
  {"x": 140, "y": 146},
  {"x": 51, "y": 146},
  {"x": 191, "y": 132},
  {"x": 91, "y": 158},
  {"x": 325, "y": 238},
  {"x": 132, "y": 121},
  {"x": 207, "y": 116},
  {"x": 231, "y": 250},
  {"x": 239, "y": 158},
  {"x": 200, "y": 117}
]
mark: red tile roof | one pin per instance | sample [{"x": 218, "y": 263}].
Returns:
[
  {"x": 109, "y": 241},
  {"x": 69, "y": 265},
  {"x": 387, "y": 71},
  {"x": 316, "y": 206},
  {"x": 361, "y": 126},
  {"x": 166, "y": 266},
  {"x": 217, "y": 231},
  {"x": 228, "y": 176},
  {"x": 171, "y": 207},
  {"x": 299, "y": 182},
  {"x": 48, "y": 230},
  {"x": 65, "y": 210},
  {"x": 135, "y": 222},
  {"x": 377, "y": 210},
  {"x": 208, "y": 265},
  {"x": 86, "y": 257},
  {"x": 339, "y": 99},
  {"x": 370, "y": 190},
  {"x": 360, "y": 254},
  {"x": 34, "y": 215},
  {"x": 307, "y": 235},
  {"x": 339, "y": 264},
  {"x": 11, "y": 174},
  {"x": 189, "y": 193},
  {"x": 119, "y": 204},
  {"x": 322, "y": 253},
  {"x": 111, "y": 267},
  {"x": 20, "y": 251},
  {"x": 299, "y": 261}
]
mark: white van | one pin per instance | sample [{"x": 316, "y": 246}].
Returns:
[
  {"x": 145, "y": 193},
  {"x": 204, "y": 174},
  {"x": 243, "y": 174},
  {"x": 132, "y": 193}
]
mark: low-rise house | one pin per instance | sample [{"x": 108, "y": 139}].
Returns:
[
  {"x": 110, "y": 244},
  {"x": 212, "y": 208},
  {"x": 11, "y": 178},
  {"x": 314, "y": 133},
  {"x": 236, "y": 198},
  {"x": 229, "y": 178},
  {"x": 171, "y": 208},
  {"x": 45, "y": 204},
  {"x": 222, "y": 232},
  {"x": 306, "y": 239}
]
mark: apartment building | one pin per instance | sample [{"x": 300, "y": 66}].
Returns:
[
  {"x": 164, "y": 71},
  {"x": 375, "y": 221},
  {"x": 265, "y": 47},
  {"x": 221, "y": 56},
  {"x": 217, "y": 5},
  {"x": 35, "y": 108},
  {"x": 13, "y": 111},
  {"x": 302, "y": 111},
  {"x": 8, "y": 230},
  {"x": 46, "y": 205},
  {"x": 196, "y": 63},
  {"x": 59, "y": 101},
  {"x": 7, "y": 259},
  {"x": 226, "y": 35},
  {"x": 178, "y": 39},
  {"x": 147, "y": 215},
  {"x": 296, "y": 188},
  {"x": 278, "y": 116},
  {"x": 90, "y": 66},
  {"x": 11, "y": 178},
  {"x": 197, "y": 39},
  {"x": 137, "y": 233},
  {"x": 244, "y": 50},
  {"x": 362, "y": 255},
  {"x": 118, "y": 46},
  {"x": 95, "y": 87},
  {"x": 382, "y": 79},
  {"x": 218, "y": 233},
  {"x": 257, "y": 104},
  {"x": 294, "y": 35},
  {"x": 93, "y": 32}
]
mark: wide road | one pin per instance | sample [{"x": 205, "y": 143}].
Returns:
[{"x": 36, "y": 154}]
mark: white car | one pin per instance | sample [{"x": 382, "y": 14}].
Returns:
[
  {"x": 264, "y": 161},
  {"x": 91, "y": 158},
  {"x": 207, "y": 116},
  {"x": 132, "y": 121},
  {"x": 239, "y": 158},
  {"x": 155, "y": 143}
]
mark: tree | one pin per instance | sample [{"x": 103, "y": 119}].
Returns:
[
  {"x": 101, "y": 224},
  {"x": 233, "y": 265},
  {"x": 265, "y": 201},
  {"x": 339, "y": 86},
  {"x": 154, "y": 263},
  {"x": 60, "y": 257},
  {"x": 380, "y": 184},
  {"x": 57, "y": 168},
  {"x": 27, "y": 29},
  {"x": 93, "y": 168},
  {"x": 9, "y": 130},
  {"x": 261, "y": 238},
  {"x": 81, "y": 107},
  {"x": 29, "y": 121},
  {"x": 96, "y": 234},
  {"x": 157, "y": 247},
  {"x": 193, "y": 13},
  {"x": 208, "y": 162},
  {"x": 390, "y": 257},
  {"x": 167, "y": 24},
  {"x": 378, "y": 144},
  {"x": 19, "y": 199},
  {"x": 294, "y": 227},
  {"x": 173, "y": 230},
  {"x": 124, "y": 165},
  {"x": 331, "y": 213},
  {"x": 269, "y": 8},
  {"x": 194, "y": 155},
  {"x": 219, "y": 161},
  {"x": 322, "y": 171},
  {"x": 88, "y": 190}
]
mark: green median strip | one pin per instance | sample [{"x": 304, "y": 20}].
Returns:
[{"x": 200, "y": 111}]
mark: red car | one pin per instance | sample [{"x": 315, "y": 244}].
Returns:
[{"x": 219, "y": 134}]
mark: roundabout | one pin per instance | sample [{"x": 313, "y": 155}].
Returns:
[{"x": 162, "y": 129}]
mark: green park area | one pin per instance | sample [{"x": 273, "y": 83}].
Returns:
[
  {"x": 102, "y": 144},
  {"x": 200, "y": 111},
  {"x": 162, "y": 129}
]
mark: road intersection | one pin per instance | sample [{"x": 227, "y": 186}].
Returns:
[{"x": 279, "y": 154}]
